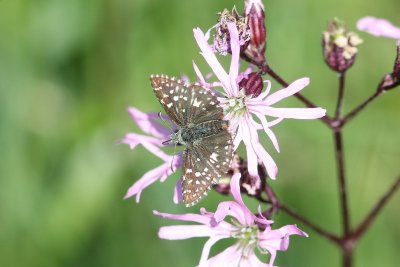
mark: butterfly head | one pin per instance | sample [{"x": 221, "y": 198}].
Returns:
[{"x": 176, "y": 138}]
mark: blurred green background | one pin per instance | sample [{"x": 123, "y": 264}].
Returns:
[{"x": 68, "y": 71}]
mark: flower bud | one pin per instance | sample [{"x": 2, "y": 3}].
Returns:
[
  {"x": 221, "y": 36},
  {"x": 396, "y": 68},
  {"x": 253, "y": 186},
  {"x": 252, "y": 84},
  {"x": 255, "y": 51},
  {"x": 223, "y": 187},
  {"x": 392, "y": 80},
  {"x": 340, "y": 46}
]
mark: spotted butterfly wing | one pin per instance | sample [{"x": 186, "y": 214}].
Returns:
[
  {"x": 208, "y": 143},
  {"x": 184, "y": 103},
  {"x": 204, "y": 164}
]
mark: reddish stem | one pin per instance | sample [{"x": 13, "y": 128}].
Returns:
[
  {"x": 331, "y": 237},
  {"x": 339, "y": 105},
  {"x": 363, "y": 105},
  {"x": 276, "y": 205},
  {"x": 342, "y": 183},
  {"x": 326, "y": 119},
  {"x": 370, "y": 218}
]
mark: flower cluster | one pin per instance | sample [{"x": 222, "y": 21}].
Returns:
[
  {"x": 246, "y": 107},
  {"x": 247, "y": 110},
  {"x": 250, "y": 232},
  {"x": 249, "y": 104}
]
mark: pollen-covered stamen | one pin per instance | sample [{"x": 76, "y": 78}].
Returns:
[
  {"x": 247, "y": 236},
  {"x": 236, "y": 106}
]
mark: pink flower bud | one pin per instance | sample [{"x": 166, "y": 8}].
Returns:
[
  {"x": 252, "y": 85},
  {"x": 255, "y": 51},
  {"x": 396, "y": 68},
  {"x": 392, "y": 80},
  {"x": 251, "y": 185}
]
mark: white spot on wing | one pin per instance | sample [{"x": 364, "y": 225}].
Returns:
[
  {"x": 214, "y": 156},
  {"x": 196, "y": 103}
]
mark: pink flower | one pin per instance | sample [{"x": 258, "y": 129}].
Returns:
[
  {"x": 148, "y": 124},
  {"x": 379, "y": 27},
  {"x": 242, "y": 110},
  {"x": 250, "y": 232}
]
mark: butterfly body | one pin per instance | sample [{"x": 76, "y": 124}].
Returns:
[
  {"x": 201, "y": 129},
  {"x": 194, "y": 133}
]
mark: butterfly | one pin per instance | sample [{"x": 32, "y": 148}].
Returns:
[{"x": 201, "y": 129}]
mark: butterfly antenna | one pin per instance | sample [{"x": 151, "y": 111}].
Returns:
[
  {"x": 170, "y": 126},
  {"x": 173, "y": 156}
]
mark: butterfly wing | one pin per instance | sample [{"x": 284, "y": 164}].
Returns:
[
  {"x": 170, "y": 92},
  {"x": 185, "y": 103},
  {"x": 204, "y": 106},
  {"x": 204, "y": 162}
]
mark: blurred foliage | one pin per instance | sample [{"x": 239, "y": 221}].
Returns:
[{"x": 68, "y": 71}]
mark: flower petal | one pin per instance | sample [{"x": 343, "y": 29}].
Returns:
[
  {"x": 133, "y": 140},
  {"x": 274, "y": 122},
  {"x": 278, "y": 239},
  {"x": 198, "y": 73},
  {"x": 268, "y": 131},
  {"x": 235, "y": 47},
  {"x": 261, "y": 219},
  {"x": 188, "y": 217},
  {"x": 293, "y": 88},
  {"x": 293, "y": 113},
  {"x": 178, "y": 192},
  {"x": 378, "y": 27},
  {"x": 147, "y": 179},
  {"x": 179, "y": 232},
  {"x": 250, "y": 139},
  {"x": 206, "y": 250},
  {"x": 254, "y": 261},
  {"x": 148, "y": 123},
  {"x": 248, "y": 216},
  {"x": 232, "y": 208},
  {"x": 211, "y": 59},
  {"x": 230, "y": 257},
  {"x": 267, "y": 160},
  {"x": 150, "y": 143}
]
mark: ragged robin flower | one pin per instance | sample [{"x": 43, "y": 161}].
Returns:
[
  {"x": 242, "y": 110},
  {"x": 232, "y": 220}
]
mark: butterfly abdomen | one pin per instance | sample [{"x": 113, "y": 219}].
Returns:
[{"x": 203, "y": 130}]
